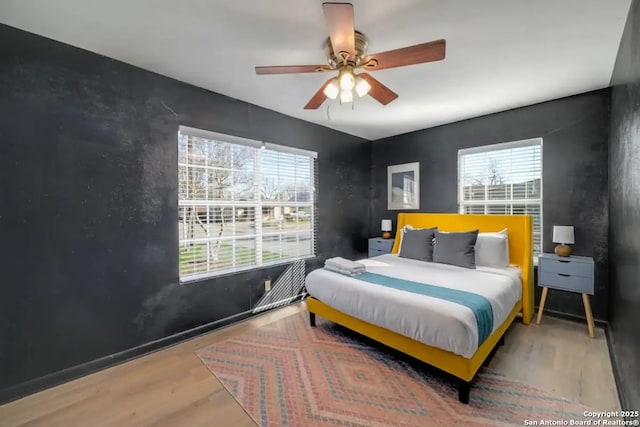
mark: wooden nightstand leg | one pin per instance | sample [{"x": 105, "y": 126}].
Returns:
[
  {"x": 587, "y": 311},
  {"x": 542, "y": 301}
]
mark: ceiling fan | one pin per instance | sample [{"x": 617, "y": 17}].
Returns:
[{"x": 346, "y": 51}]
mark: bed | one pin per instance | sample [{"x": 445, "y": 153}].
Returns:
[{"x": 439, "y": 334}]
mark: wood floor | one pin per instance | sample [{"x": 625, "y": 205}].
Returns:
[
  {"x": 558, "y": 356},
  {"x": 173, "y": 388}
]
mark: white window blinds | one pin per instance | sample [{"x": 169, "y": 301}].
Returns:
[
  {"x": 503, "y": 179},
  {"x": 242, "y": 203}
]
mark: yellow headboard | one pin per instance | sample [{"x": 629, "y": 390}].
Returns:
[{"x": 520, "y": 241}]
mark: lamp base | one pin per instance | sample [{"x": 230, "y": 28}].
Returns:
[
  {"x": 386, "y": 235},
  {"x": 563, "y": 250}
]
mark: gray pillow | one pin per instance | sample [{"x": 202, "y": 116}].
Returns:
[
  {"x": 418, "y": 244},
  {"x": 456, "y": 248}
]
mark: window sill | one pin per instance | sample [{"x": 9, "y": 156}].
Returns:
[{"x": 216, "y": 275}]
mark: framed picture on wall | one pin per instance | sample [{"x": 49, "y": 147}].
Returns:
[{"x": 403, "y": 186}]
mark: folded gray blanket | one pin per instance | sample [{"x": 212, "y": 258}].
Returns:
[
  {"x": 344, "y": 263},
  {"x": 343, "y": 271},
  {"x": 344, "y": 266}
]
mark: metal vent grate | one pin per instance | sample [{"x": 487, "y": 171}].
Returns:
[{"x": 287, "y": 288}]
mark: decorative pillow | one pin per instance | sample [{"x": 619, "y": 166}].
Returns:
[
  {"x": 402, "y": 232},
  {"x": 492, "y": 249},
  {"x": 456, "y": 248},
  {"x": 418, "y": 244}
]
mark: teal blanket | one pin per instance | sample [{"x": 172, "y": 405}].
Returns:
[{"x": 480, "y": 306}]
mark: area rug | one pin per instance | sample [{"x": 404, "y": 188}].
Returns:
[{"x": 289, "y": 374}]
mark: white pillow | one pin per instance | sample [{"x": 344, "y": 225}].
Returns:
[{"x": 492, "y": 249}]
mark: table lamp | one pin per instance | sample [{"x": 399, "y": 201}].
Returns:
[
  {"x": 386, "y": 228},
  {"x": 563, "y": 234}
]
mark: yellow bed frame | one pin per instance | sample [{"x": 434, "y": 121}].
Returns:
[{"x": 520, "y": 254}]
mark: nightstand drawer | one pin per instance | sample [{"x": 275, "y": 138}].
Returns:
[
  {"x": 566, "y": 282},
  {"x": 379, "y": 246},
  {"x": 570, "y": 267},
  {"x": 376, "y": 252}
]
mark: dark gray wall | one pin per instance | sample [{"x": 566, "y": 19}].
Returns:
[
  {"x": 624, "y": 208},
  {"x": 88, "y": 205},
  {"x": 575, "y": 133}
]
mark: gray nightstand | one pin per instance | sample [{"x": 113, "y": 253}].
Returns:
[
  {"x": 573, "y": 274},
  {"x": 379, "y": 246}
]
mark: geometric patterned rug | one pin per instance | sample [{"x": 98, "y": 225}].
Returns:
[{"x": 289, "y": 374}]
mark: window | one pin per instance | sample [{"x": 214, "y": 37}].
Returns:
[
  {"x": 242, "y": 203},
  {"x": 503, "y": 179}
]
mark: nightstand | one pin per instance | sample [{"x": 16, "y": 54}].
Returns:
[
  {"x": 379, "y": 246},
  {"x": 573, "y": 274}
]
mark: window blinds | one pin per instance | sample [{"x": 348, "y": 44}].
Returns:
[
  {"x": 503, "y": 179},
  {"x": 242, "y": 203}
]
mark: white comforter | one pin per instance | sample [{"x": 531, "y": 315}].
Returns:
[{"x": 432, "y": 321}]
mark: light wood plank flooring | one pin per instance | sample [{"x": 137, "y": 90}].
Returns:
[
  {"x": 173, "y": 388},
  {"x": 558, "y": 356}
]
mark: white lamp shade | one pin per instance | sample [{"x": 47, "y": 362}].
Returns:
[
  {"x": 347, "y": 80},
  {"x": 563, "y": 234},
  {"x": 386, "y": 225},
  {"x": 332, "y": 90},
  {"x": 362, "y": 86},
  {"x": 346, "y": 96}
]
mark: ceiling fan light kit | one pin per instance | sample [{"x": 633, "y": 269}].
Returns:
[
  {"x": 346, "y": 51},
  {"x": 345, "y": 85}
]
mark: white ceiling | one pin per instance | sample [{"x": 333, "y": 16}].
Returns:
[{"x": 501, "y": 54}]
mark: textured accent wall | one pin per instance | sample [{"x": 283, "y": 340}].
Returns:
[
  {"x": 88, "y": 205},
  {"x": 575, "y": 133},
  {"x": 624, "y": 208}
]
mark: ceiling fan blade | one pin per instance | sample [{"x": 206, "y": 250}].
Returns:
[
  {"x": 418, "y": 54},
  {"x": 316, "y": 100},
  {"x": 292, "y": 69},
  {"x": 378, "y": 91},
  {"x": 339, "y": 20}
]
